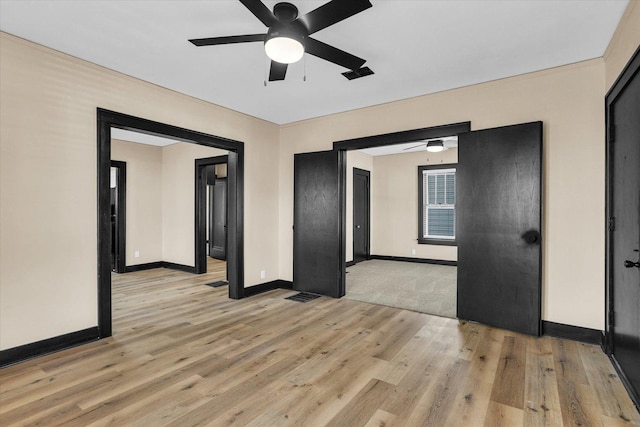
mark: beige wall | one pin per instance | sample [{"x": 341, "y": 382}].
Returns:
[
  {"x": 160, "y": 199},
  {"x": 144, "y": 200},
  {"x": 221, "y": 170},
  {"x": 178, "y": 200},
  {"x": 569, "y": 100},
  {"x": 358, "y": 160},
  {"x": 48, "y": 104},
  {"x": 624, "y": 43},
  {"x": 395, "y": 205}
]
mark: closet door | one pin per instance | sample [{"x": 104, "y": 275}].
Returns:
[{"x": 623, "y": 211}]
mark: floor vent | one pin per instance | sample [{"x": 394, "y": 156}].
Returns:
[
  {"x": 218, "y": 283},
  {"x": 303, "y": 297}
]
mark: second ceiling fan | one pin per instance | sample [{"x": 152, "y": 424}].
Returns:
[{"x": 287, "y": 37}]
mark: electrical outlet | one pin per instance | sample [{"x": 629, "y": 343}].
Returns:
[
  {"x": 136, "y": 254},
  {"x": 413, "y": 251},
  {"x": 263, "y": 274}
]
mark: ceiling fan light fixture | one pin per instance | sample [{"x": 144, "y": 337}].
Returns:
[
  {"x": 435, "y": 146},
  {"x": 284, "y": 50},
  {"x": 284, "y": 46}
]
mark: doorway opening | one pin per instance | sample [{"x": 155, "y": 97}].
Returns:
[
  {"x": 211, "y": 184},
  {"x": 393, "y": 264},
  {"x": 108, "y": 120}
]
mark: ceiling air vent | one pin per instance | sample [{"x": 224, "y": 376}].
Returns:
[{"x": 356, "y": 74}]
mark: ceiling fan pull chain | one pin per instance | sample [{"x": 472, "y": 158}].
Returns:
[
  {"x": 304, "y": 78},
  {"x": 265, "y": 74}
]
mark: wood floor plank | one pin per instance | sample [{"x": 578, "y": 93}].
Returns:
[
  {"x": 568, "y": 362},
  {"x": 130, "y": 397},
  {"x": 407, "y": 324},
  {"x": 413, "y": 351},
  {"x": 363, "y": 405},
  {"x": 610, "y": 393},
  {"x": 434, "y": 407},
  {"x": 499, "y": 415},
  {"x": 574, "y": 410},
  {"x": 381, "y": 419},
  {"x": 21, "y": 378},
  {"x": 542, "y": 403},
  {"x": 184, "y": 354},
  {"x": 167, "y": 404},
  {"x": 576, "y": 402},
  {"x": 473, "y": 398},
  {"x": 203, "y": 414},
  {"x": 335, "y": 388},
  {"x": 418, "y": 379},
  {"x": 508, "y": 388},
  {"x": 471, "y": 333}
]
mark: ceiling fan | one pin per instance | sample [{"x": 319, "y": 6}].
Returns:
[
  {"x": 287, "y": 37},
  {"x": 437, "y": 145}
]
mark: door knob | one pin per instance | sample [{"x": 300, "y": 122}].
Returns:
[
  {"x": 531, "y": 236},
  {"x": 631, "y": 264},
  {"x": 357, "y": 226}
]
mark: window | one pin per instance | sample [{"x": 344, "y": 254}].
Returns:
[{"x": 437, "y": 204}]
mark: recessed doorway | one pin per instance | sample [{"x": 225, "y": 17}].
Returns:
[{"x": 410, "y": 194}]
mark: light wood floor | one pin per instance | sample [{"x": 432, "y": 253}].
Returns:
[
  {"x": 183, "y": 354},
  {"x": 216, "y": 269}
]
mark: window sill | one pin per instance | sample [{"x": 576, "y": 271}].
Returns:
[{"x": 441, "y": 242}]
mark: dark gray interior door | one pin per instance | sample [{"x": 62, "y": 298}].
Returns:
[
  {"x": 360, "y": 215},
  {"x": 316, "y": 220},
  {"x": 624, "y": 230},
  {"x": 218, "y": 220},
  {"x": 498, "y": 227},
  {"x": 118, "y": 217}
]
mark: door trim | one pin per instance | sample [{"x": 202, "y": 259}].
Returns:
[
  {"x": 200, "y": 210},
  {"x": 107, "y": 119},
  {"x": 367, "y": 174},
  {"x": 631, "y": 70},
  {"x": 120, "y": 264}
]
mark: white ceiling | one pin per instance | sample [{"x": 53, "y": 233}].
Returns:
[
  {"x": 141, "y": 138},
  {"x": 409, "y": 147},
  {"x": 414, "y": 47}
]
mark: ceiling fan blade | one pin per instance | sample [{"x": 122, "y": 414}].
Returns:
[
  {"x": 261, "y": 12},
  {"x": 278, "y": 71},
  {"x": 210, "y": 41},
  {"x": 333, "y": 54},
  {"x": 331, "y": 13},
  {"x": 415, "y": 146}
]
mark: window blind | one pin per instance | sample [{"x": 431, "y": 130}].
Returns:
[{"x": 439, "y": 187}]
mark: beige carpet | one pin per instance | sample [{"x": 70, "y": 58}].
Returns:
[{"x": 426, "y": 288}]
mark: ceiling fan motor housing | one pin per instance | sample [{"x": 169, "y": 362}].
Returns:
[
  {"x": 285, "y": 12},
  {"x": 288, "y": 26}
]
